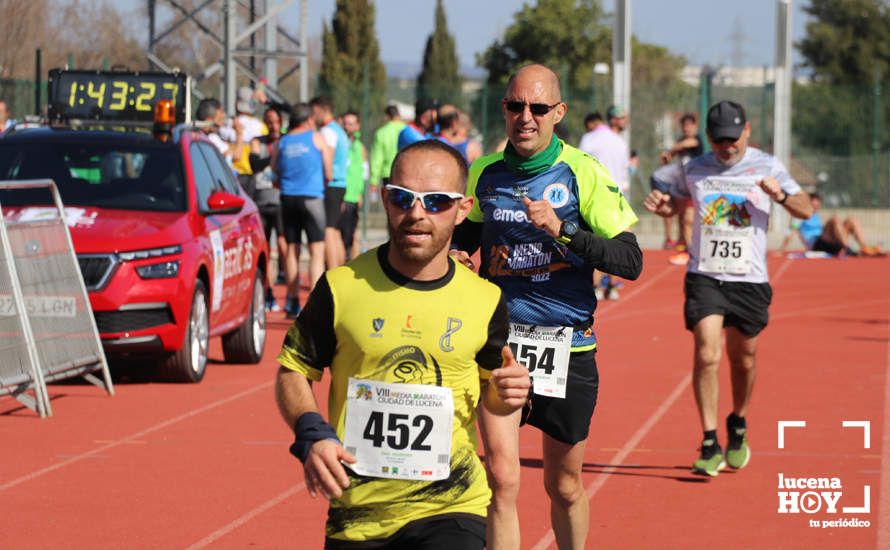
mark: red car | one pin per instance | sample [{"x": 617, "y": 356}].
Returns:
[{"x": 171, "y": 249}]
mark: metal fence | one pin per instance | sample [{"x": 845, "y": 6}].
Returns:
[{"x": 56, "y": 330}]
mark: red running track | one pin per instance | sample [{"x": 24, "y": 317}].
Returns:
[{"x": 193, "y": 466}]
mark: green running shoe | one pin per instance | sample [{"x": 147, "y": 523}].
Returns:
[
  {"x": 711, "y": 460},
  {"x": 737, "y": 451}
]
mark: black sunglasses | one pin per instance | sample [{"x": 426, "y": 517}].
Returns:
[
  {"x": 725, "y": 141},
  {"x": 537, "y": 109},
  {"x": 434, "y": 201}
]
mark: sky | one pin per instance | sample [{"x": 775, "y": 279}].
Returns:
[
  {"x": 700, "y": 30},
  {"x": 696, "y": 29}
]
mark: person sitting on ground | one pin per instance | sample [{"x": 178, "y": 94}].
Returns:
[{"x": 832, "y": 237}]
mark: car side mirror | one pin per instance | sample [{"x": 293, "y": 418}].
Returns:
[{"x": 221, "y": 202}]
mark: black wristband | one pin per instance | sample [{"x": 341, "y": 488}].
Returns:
[
  {"x": 309, "y": 428},
  {"x": 784, "y": 198}
]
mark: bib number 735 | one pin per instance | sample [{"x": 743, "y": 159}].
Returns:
[{"x": 398, "y": 432}]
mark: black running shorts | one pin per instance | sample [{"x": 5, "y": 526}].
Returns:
[
  {"x": 821, "y": 245},
  {"x": 568, "y": 420},
  {"x": 300, "y": 214},
  {"x": 445, "y": 532},
  {"x": 744, "y": 306},
  {"x": 270, "y": 215},
  {"x": 333, "y": 205}
]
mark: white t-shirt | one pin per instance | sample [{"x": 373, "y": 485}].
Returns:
[
  {"x": 612, "y": 151},
  {"x": 251, "y": 127},
  {"x": 731, "y": 213}
]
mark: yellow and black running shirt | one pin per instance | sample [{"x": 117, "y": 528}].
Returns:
[{"x": 365, "y": 320}]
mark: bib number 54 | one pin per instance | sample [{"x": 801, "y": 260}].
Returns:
[{"x": 534, "y": 358}]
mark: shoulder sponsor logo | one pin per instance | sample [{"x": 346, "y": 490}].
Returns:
[
  {"x": 377, "y": 325},
  {"x": 507, "y": 215},
  {"x": 557, "y": 194}
]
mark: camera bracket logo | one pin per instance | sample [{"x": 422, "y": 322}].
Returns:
[{"x": 812, "y": 495}]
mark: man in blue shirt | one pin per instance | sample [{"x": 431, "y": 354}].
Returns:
[
  {"x": 424, "y": 124},
  {"x": 338, "y": 142}
]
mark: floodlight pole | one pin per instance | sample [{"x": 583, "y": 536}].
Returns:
[
  {"x": 782, "y": 108},
  {"x": 621, "y": 59}
]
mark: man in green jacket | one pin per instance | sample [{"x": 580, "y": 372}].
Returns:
[{"x": 385, "y": 147}]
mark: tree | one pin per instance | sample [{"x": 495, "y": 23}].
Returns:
[
  {"x": 351, "y": 71},
  {"x": 847, "y": 40},
  {"x": 570, "y": 37},
  {"x": 566, "y": 35},
  {"x": 841, "y": 113},
  {"x": 440, "y": 78}
]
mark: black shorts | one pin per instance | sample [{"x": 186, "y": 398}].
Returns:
[
  {"x": 348, "y": 222},
  {"x": 302, "y": 214},
  {"x": 821, "y": 245},
  {"x": 333, "y": 201},
  {"x": 270, "y": 215},
  {"x": 568, "y": 420},
  {"x": 446, "y": 532},
  {"x": 744, "y": 306}
]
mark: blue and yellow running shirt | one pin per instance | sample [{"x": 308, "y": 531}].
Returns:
[
  {"x": 544, "y": 282},
  {"x": 364, "y": 320}
]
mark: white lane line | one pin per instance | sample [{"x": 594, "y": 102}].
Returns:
[
  {"x": 884, "y": 504},
  {"x": 161, "y": 425},
  {"x": 616, "y": 460},
  {"x": 228, "y": 528}
]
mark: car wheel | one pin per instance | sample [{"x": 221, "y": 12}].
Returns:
[
  {"x": 190, "y": 362},
  {"x": 245, "y": 344}
]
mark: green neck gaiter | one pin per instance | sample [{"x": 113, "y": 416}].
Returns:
[{"x": 530, "y": 166}]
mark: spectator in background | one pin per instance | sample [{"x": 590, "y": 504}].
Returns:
[
  {"x": 5, "y": 122},
  {"x": 687, "y": 147},
  {"x": 385, "y": 147},
  {"x": 251, "y": 127},
  {"x": 212, "y": 119},
  {"x": 245, "y": 107},
  {"x": 450, "y": 131},
  {"x": 473, "y": 147},
  {"x": 355, "y": 184},
  {"x": 303, "y": 162},
  {"x": 338, "y": 142},
  {"x": 606, "y": 145},
  {"x": 423, "y": 125},
  {"x": 832, "y": 237},
  {"x": 592, "y": 120},
  {"x": 267, "y": 195}
]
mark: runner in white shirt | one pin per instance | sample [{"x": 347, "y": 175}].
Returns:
[{"x": 732, "y": 190}]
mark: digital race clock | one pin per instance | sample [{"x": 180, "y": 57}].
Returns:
[{"x": 113, "y": 95}]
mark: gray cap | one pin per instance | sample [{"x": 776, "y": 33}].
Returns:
[{"x": 245, "y": 102}]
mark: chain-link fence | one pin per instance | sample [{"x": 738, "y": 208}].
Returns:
[
  {"x": 20, "y": 97},
  {"x": 840, "y": 134}
]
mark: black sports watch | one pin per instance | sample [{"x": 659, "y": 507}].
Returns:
[{"x": 567, "y": 231}]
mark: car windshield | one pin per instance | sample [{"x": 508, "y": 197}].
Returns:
[{"x": 105, "y": 175}]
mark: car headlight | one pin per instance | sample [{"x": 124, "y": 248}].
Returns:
[
  {"x": 149, "y": 253},
  {"x": 162, "y": 270}
]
